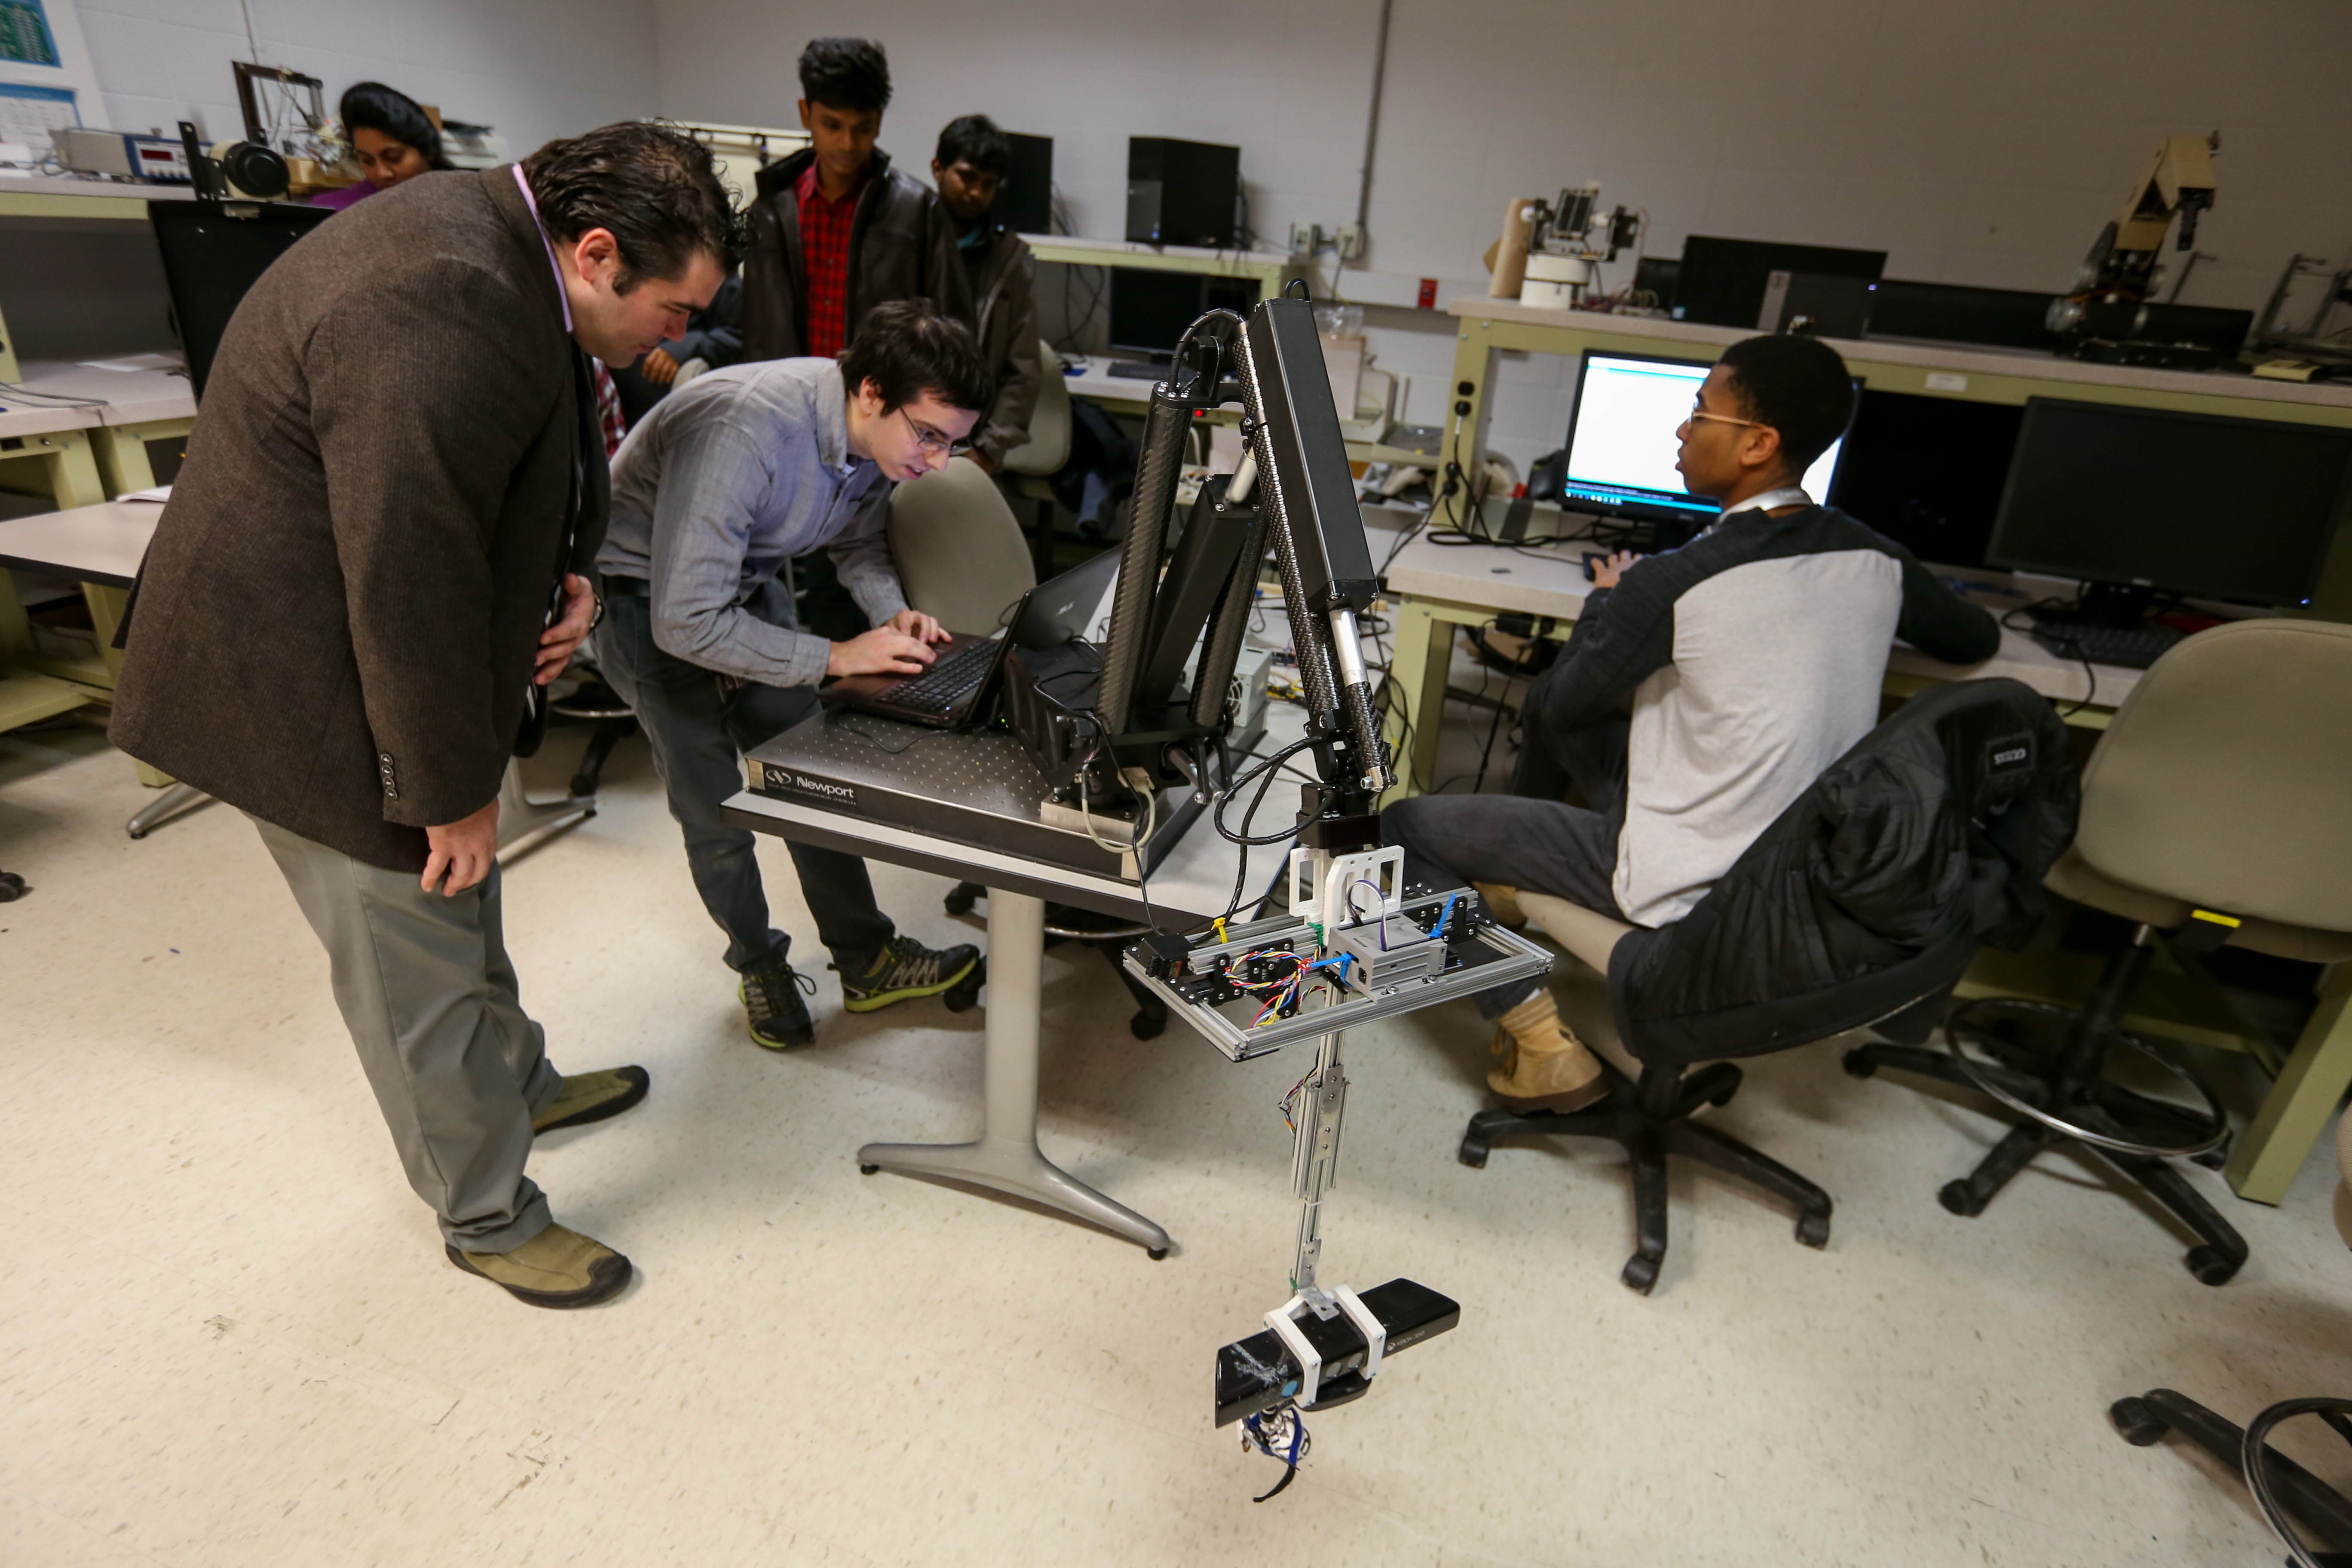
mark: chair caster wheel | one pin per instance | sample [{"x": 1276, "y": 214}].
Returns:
[
  {"x": 136, "y": 833},
  {"x": 2139, "y": 1424},
  {"x": 1956, "y": 1197},
  {"x": 1640, "y": 1272},
  {"x": 1157, "y": 1254},
  {"x": 2211, "y": 1265},
  {"x": 960, "y": 996},
  {"x": 1814, "y": 1229},
  {"x": 1144, "y": 1026},
  {"x": 1722, "y": 1097},
  {"x": 1471, "y": 1153},
  {"x": 11, "y": 886},
  {"x": 2214, "y": 1159},
  {"x": 1858, "y": 1065},
  {"x": 865, "y": 1170},
  {"x": 961, "y": 899}
]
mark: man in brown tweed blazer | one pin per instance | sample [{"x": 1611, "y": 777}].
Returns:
[{"x": 378, "y": 543}]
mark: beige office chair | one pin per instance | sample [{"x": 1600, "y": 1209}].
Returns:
[
  {"x": 1028, "y": 468},
  {"x": 1049, "y": 428},
  {"x": 2214, "y": 812},
  {"x": 961, "y": 555}
]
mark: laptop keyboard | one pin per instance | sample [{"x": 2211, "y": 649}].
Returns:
[{"x": 939, "y": 689}]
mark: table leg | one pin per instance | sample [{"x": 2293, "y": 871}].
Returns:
[
  {"x": 2263, "y": 1162},
  {"x": 1425, "y": 652},
  {"x": 1005, "y": 1157}
]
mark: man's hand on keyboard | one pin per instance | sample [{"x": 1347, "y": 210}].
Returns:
[
  {"x": 885, "y": 650},
  {"x": 916, "y": 624}
]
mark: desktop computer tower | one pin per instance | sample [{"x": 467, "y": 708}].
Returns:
[
  {"x": 1024, "y": 202},
  {"x": 1181, "y": 193}
]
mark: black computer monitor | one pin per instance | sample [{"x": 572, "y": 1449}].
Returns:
[
  {"x": 1149, "y": 310},
  {"x": 1962, "y": 314},
  {"x": 1621, "y": 447},
  {"x": 1927, "y": 472},
  {"x": 1024, "y": 201},
  {"x": 1724, "y": 282},
  {"x": 2147, "y": 500},
  {"x": 212, "y": 254}
]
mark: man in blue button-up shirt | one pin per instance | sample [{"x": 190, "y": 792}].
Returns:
[{"x": 726, "y": 481}]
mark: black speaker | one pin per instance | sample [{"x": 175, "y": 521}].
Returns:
[
  {"x": 1024, "y": 202},
  {"x": 1181, "y": 193}
]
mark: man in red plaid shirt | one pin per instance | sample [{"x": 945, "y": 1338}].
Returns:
[{"x": 836, "y": 229}]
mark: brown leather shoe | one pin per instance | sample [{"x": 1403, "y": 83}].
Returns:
[
  {"x": 1540, "y": 1064},
  {"x": 591, "y": 1097},
  {"x": 557, "y": 1268}
]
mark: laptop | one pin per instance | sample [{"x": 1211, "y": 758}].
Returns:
[{"x": 953, "y": 693}]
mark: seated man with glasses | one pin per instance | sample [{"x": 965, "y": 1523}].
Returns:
[
  {"x": 723, "y": 483},
  {"x": 1703, "y": 690}
]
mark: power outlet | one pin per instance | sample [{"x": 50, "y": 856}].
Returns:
[
  {"x": 1306, "y": 240},
  {"x": 1350, "y": 241}
]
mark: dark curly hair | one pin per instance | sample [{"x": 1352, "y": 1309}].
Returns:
[
  {"x": 656, "y": 189},
  {"x": 909, "y": 347},
  {"x": 388, "y": 112},
  {"x": 846, "y": 73}
]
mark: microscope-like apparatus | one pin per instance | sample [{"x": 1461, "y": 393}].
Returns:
[{"x": 1354, "y": 942}]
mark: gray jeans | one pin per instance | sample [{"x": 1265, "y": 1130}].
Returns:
[
  {"x": 700, "y": 727},
  {"x": 1539, "y": 846},
  {"x": 429, "y": 996}
]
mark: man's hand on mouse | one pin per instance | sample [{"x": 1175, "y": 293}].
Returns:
[{"x": 1605, "y": 573}]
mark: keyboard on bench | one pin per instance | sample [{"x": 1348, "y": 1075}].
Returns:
[{"x": 2126, "y": 647}]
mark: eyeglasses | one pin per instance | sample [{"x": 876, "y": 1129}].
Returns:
[
  {"x": 1698, "y": 413},
  {"x": 930, "y": 440}
]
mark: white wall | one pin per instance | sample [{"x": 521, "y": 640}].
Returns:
[
  {"x": 533, "y": 68},
  {"x": 1976, "y": 143}
]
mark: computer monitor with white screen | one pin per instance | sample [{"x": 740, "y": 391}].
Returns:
[
  {"x": 2137, "y": 502},
  {"x": 1621, "y": 445}
]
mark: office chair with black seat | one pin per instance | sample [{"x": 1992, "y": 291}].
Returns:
[
  {"x": 1860, "y": 906},
  {"x": 2213, "y": 815}
]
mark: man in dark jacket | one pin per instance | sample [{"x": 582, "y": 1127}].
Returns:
[
  {"x": 1751, "y": 659},
  {"x": 835, "y": 230},
  {"x": 378, "y": 542},
  {"x": 968, "y": 169}
]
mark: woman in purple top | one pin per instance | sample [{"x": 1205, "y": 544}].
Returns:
[{"x": 393, "y": 138}]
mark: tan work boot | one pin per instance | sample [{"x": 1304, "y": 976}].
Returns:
[
  {"x": 1502, "y": 903},
  {"x": 593, "y": 1096},
  {"x": 1540, "y": 1066},
  {"x": 557, "y": 1268}
]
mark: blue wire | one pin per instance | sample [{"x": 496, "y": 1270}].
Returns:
[{"x": 1444, "y": 915}]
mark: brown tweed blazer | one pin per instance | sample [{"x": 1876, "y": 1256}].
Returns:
[{"x": 334, "y": 627}]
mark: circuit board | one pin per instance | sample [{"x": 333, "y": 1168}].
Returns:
[{"x": 1253, "y": 987}]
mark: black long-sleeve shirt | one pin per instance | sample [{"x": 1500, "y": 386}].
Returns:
[{"x": 1753, "y": 657}]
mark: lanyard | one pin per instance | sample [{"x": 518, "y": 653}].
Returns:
[{"x": 1787, "y": 495}]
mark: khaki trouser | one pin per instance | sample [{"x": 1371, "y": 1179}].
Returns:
[{"x": 429, "y": 996}]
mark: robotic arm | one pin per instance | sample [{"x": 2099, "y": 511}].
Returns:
[{"x": 2121, "y": 273}]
